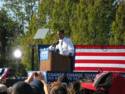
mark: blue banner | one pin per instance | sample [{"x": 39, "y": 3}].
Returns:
[
  {"x": 43, "y": 52},
  {"x": 71, "y": 76}
]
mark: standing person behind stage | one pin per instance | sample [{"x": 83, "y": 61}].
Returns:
[{"x": 64, "y": 45}]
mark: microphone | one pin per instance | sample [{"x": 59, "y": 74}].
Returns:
[
  {"x": 54, "y": 46},
  {"x": 55, "y": 43}
]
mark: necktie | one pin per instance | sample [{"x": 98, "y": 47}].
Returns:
[{"x": 61, "y": 43}]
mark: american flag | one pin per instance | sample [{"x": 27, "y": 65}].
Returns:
[{"x": 92, "y": 58}]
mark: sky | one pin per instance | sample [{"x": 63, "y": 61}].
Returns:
[{"x": 1, "y": 3}]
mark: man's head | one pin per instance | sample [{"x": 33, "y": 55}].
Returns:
[
  {"x": 21, "y": 88},
  {"x": 3, "y": 89},
  {"x": 58, "y": 89},
  {"x": 61, "y": 34},
  {"x": 38, "y": 86},
  {"x": 38, "y": 76}
]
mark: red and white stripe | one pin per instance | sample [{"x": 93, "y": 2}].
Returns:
[{"x": 92, "y": 58}]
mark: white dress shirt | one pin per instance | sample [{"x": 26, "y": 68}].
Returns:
[{"x": 65, "y": 46}]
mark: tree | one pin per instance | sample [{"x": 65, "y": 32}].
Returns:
[
  {"x": 28, "y": 44},
  {"x": 118, "y": 26},
  {"x": 8, "y": 31},
  {"x": 88, "y": 22},
  {"x": 100, "y": 16},
  {"x": 80, "y": 24},
  {"x": 24, "y": 11},
  {"x": 21, "y": 10},
  {"x": 60, "y": 13}
]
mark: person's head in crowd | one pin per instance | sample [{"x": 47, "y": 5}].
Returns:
[
  {"x": 76, "y": 86},
  {"x": 61, "y": 34},
  {"x": 53, "y": 84},
  {"x": 63, "y": 79},
  {"x": 21, "y": 88},
  {"x": 58, "y": 89},
  {"x": 38, "y": 86},
  {"x": 38, "y": 76},
  {"x": 9, "y": 90},
  {"x": 36, "y": 81},
  {"x": 3, "y": 89}
]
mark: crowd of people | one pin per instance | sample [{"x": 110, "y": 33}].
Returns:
[{"x": 36, "y": 84}]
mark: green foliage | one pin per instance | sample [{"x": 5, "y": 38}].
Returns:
[
  {"x": 27, "y": 42},
  {"x": 118, "y": 26},
  {"x": 99, "y": 21},
  {"x": 21, "y": 10},
  {"x": 88, "y": 22},
  {"x": 8, "y": 34},
  {"x": 79, "y": 24}
]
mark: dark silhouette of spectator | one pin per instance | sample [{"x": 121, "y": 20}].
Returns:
[
  {"x": 63, "y": 79},
  {"x": 103, "y": 79},
  {"x": 36, "y": 80},
  {"x": 3, "y": 89},
  {"x": 37, "y": 86},
  {"x": 21, "y": 88},
  {"x": 76, "y": 88},
  {"x": 103, "y": 82},
  {"x": 58, "y": 89}
]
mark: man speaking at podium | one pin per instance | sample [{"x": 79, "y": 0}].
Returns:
[{"x": 64, "y": 46}]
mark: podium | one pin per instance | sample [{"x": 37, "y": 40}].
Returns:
[{"x": 56, "y": 62}]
